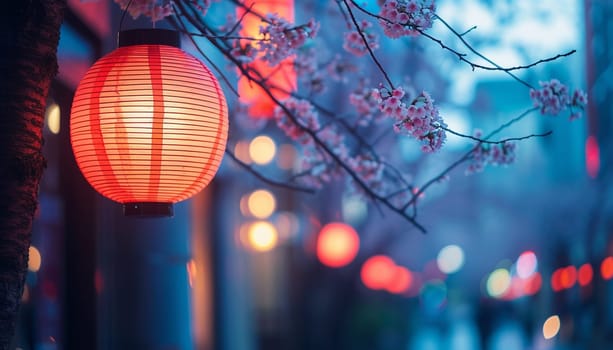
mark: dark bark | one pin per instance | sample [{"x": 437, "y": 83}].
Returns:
[{"x": 29, "y": 35}]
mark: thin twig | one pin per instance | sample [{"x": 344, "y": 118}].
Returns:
[
  {"x": 257, "y": 174},
  {"x": 248, "y": 10},
  {"x": 480, "y": 140},
  {"x": 469, "y": 30},
  {"x": 469, "y": 47},
  {"x": 464, "y": 158},
  {"x": 462, "y": 56},
  {"x": 179, "y": 25},
  {"x": 372, "y": 54}
]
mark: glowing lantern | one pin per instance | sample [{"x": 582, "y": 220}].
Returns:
[
  {"x": 149, "y": 123},
  {"x": 337, "y": 244},
  {"x": 378, "y": 272},
  {"x": 282, "y": 76}
]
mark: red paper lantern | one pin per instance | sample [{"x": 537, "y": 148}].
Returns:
[{"x": 149, "y": 123}]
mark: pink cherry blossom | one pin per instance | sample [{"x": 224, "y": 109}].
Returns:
[
  {"x": 281, "y": 38},
  {"x": 406, "y": 17},
  {"x": 369, "y": 170},
  {"x": 366, "y": 105},
  {"x": 305, "y": 118},
  {"x": 316, "y": 164},
  {"x": 157, "y": 9},
  {"x": 488, "y": 153},
  {"x": 419, "y": 118},
  {"x": 554, "y": 97},
  {"x": 340, "y": 69},
  {"x": 354, "y": 43}
]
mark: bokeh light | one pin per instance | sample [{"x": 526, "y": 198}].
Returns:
[
  {"x": 585, "y": 275},
  {"x": 498, "y": 282},
  {"x": 34, "y": 260},
  {"x": 450, "y": 259},
  {"x": 53, "y": 118},
  {"x": 287, "y": 224},
  {"x": 354, "y": 209},
  {"x": 556, "y": 281},
  {"x": 262, "y": 149},
  {"x": 568, "y": 277},
  {"x": 261, "y": 204},
  {"x": 287, "y": 156},
  {"x": 378, "y": 271},
  {"x": 592, "y": 156},
  {"x": 241, "y": 151},
  {"x": 551, "y": 327},
  {"x": 401, "y": 282},
  {"x": 526, "y": 264},
  {"x": 532, "y": 284},
  {"x": 606, "y": 268},
  {"x": 337, "y": 244},
  {"x": 262, "y": 236},
  {"x": 192, "y": 272},
  {"x": 433, "y": 295},
  {"x": 25, "y": 296}
]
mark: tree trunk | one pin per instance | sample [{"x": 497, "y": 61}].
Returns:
[{"x": 29, "y": 35}]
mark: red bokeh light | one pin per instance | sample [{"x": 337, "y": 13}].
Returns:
[
  {"x": 532, "y": 284},
  {"x": 337, "y": 244},
  {"x": 556, "y": 281},
  {"x": 378, "y": 271},
  {"x": 568, "y": 277},
  {"x": 585, "y": 274},
  {"x": 401, "y": 281},
  {"x": 592, "y": 156},
  {"x": 606, "y": 268}
]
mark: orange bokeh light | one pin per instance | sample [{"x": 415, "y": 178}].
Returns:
[
  {"x": 606, "y": 268},
  {"x": 586, "y": 273},
  {"x": 378, "y": 271},
  {"x": 337, "y": 244},
  {"x": 401, "y": 281},
  {"x": 282, "y": 76}
]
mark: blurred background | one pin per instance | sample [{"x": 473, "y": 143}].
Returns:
[{"x": 519, "y": 257}]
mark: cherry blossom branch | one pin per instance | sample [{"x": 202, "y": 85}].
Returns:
[
  {"x": 480, "y": 140},
  {"x": 240, "y": 20},
  {"x": 370, "y": 52},
  {"x": 477, "y": 53},
  {"x": 325, "y": 151},
  {"x": 261, "y": 177},
  {"x": 462, "y": 56},
  {"x": 464, "y": 158},
  {"x": 181, "y": 27},
  {"x": 375, "y": 197}
]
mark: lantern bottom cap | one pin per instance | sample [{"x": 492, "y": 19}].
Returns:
[{"x": 148, "y": 209}]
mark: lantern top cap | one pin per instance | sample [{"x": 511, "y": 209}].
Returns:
[{"x": 149, "y": 37}]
